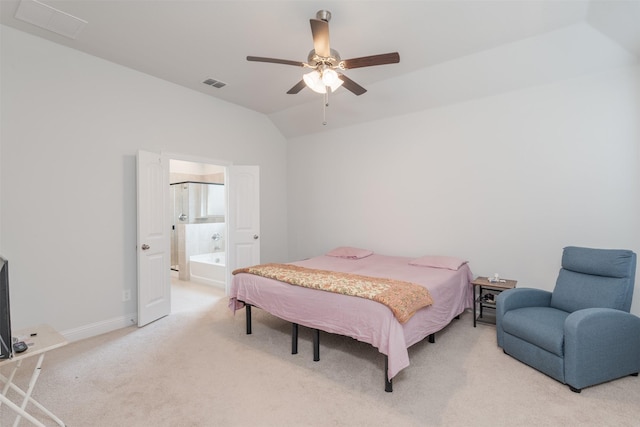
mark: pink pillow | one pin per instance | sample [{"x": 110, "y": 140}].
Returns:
[
  {"x": 349, "y": 252},
  {"x": 448, "y": 262}
]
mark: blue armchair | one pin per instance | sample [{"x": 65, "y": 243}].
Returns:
[{"x": 582, "y": 333}]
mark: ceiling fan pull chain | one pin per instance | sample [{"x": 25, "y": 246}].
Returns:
[{"x": 325, "y": 104}]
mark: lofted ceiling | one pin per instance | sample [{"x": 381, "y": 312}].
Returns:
[{"x": 450, "y": 50}]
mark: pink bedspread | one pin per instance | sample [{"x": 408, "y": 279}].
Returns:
[{"x": 365, "y": 320}]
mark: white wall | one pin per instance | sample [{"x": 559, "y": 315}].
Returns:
[
  {"x": 71, "y": 127},
  {"x": 505, "y": 181}
]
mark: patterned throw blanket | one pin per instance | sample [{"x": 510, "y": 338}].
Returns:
[{"x": 403, "y": 298}]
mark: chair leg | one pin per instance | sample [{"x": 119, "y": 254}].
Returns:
[{"x": 575, "y": 390}]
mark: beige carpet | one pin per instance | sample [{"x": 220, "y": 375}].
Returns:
[{"x": 197, "y": 367}]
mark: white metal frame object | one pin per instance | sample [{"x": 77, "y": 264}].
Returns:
[{"x": 45, "y": 339}]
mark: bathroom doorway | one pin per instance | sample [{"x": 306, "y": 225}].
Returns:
[
  {"x": 241, "y": 225},
  {"x": 198, "y": 206}
]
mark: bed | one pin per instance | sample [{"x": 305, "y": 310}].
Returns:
[{"x": 447, "y": 280}]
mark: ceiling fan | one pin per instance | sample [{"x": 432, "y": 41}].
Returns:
[{"x": 326, "y": 64}]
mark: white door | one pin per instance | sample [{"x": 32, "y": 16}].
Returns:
[
  {"x": 154, "y": 280},
  {"x": 244, "y": 218}
]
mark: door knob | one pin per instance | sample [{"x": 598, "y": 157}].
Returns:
[
  {"x": 145, "y": 247},
  {"x": 255, "y": 237}
]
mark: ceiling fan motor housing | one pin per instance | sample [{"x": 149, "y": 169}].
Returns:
[
  {"x": 324, "y": 15},
  {"x": 314, "y": 60}
]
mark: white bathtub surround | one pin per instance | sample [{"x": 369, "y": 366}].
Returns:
[
  {"x": 195, "y": 239},
  {"x": 209, "y": 268}
]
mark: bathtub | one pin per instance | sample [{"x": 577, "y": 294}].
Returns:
[{"x": 209, "y": 269}]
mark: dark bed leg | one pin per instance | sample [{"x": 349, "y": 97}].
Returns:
[
  {"x": 294, "y": 338},
  {"x": 316, "y": 345},
  {"x": 248, "y": 314},
  {"x": 432, "y": 338},
  {"x": 388, "y": 385}
]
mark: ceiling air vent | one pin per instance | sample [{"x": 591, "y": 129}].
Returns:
[
  {"x": 214, "y": 83},
  {"x": 51, "y": 19}
]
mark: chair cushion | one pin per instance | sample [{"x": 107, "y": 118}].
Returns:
[
  {"x": 595, "y": 278},
  {"x": 575, "y": 291},
  {"x": 540, "y": 326},
  {"x": 599, "y": 262}
]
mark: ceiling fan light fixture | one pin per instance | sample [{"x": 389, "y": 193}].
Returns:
[
  {"x": 330, "y": 77},
  {"x": 319, "y": 84},
  {"x": 313, "y": 81},
  {"x": 335, "y": 85}
]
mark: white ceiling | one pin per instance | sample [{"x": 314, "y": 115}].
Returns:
[{"x": 450, "y": 51}]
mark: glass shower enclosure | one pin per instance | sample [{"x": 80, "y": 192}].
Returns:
[{"x": 193, "y": 203}]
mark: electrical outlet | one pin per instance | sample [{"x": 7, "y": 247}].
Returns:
[{"x": 126, "y": 295}]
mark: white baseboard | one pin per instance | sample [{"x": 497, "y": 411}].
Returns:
[{"x": 99, "y": 328}]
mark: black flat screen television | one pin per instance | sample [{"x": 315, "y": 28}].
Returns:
[{"x": 6, "y": 345}]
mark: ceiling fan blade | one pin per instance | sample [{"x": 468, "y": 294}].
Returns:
[
  {"x": 275, "y": 61},
  {"x": 297, "y": 88},
  {"x": 350, "y": 85},
  {"x": 320, "y": 32},
  {"x": 369, "y": 61}
]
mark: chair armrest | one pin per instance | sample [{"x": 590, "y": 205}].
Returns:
[
  {"x": 601, "y": 344},
  {"x": 518, "y": 298},
  {"x": 523, "y": 297}
]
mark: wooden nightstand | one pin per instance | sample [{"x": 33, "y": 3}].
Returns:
[{"x": 484, "y": 297}]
